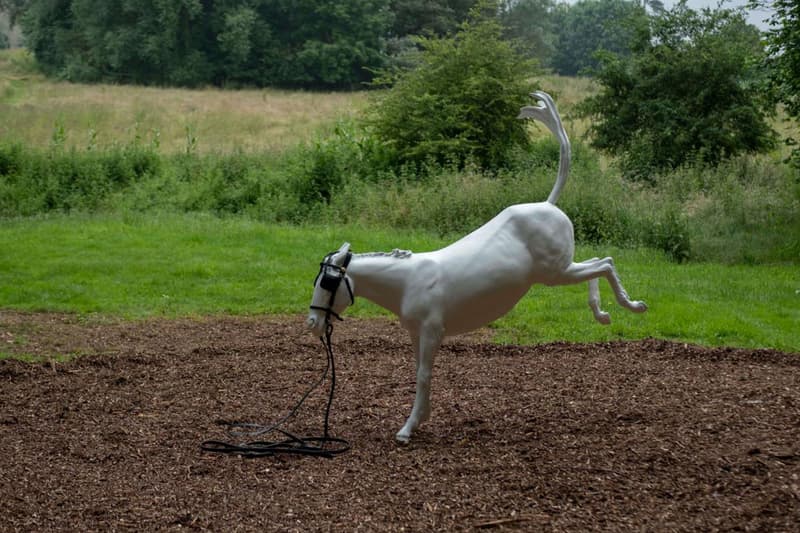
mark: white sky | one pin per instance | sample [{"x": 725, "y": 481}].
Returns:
[{"x": 756, "y": 18}]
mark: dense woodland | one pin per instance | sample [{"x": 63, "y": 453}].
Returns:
[{"x": 297, "y": 43}]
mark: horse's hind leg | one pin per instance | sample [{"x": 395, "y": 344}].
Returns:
[
  {"x": 594, "y": 297},
  {"x": 593, "y": 269},
  {"x": 594, "y": 302}
]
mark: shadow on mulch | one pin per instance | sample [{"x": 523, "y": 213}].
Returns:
[{"x": 646, "y": 435}]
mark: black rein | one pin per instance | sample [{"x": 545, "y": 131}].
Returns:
[{"x": 316, "y": 446}]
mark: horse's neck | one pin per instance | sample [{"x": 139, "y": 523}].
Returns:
[{"x": 380, "y": 279}]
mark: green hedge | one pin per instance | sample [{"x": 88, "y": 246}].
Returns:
[{"x": 744, "y": 211}]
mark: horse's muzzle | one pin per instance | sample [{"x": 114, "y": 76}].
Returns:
[{"x": 315, "y": 324}]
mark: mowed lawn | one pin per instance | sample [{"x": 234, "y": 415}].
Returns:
[{"x": 138, "y": 266}]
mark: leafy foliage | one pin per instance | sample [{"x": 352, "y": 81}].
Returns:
[
  {"x": 459, "y": 104},
  {"x": 593, "y": 25},
  {"x": 313, "y": 43},
  {"x": 13, "y": 8},
  {"x": 783, "y": 58},
  {"x": 61, "y": 180},
  {"x": 297, "y": 43},
  {"x": 745, "y": 210},
  {"x": 425, "y": 17},
  {"x": 688, "y": 93},
  {"x": 532, "y": 24}
]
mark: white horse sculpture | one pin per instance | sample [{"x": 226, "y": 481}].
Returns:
[{"x": 470, "y": 282}]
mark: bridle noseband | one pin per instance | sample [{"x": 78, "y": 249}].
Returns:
[{"x": 331, "y": 282}]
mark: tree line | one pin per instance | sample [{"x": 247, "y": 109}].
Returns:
[
  {"x": 296, "y": 43},
  {"x": 677, "y": 85}
]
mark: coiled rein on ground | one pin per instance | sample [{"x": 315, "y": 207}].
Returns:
[{"x": 323, "y": 446}]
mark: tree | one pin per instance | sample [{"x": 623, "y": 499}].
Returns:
[
  {"x": 782, "y": 61},
  {"x": 146, "y": 41},
  {"x": 459, "y": 104},
  {"x": 310, "y": 43},
  {"x": 592, "y": 25},
  {"x": 412, "y": 18},
  {"x": 656, "y": 6},
  {"x": 424, "y": 17},
  {"x": 47, "y": 26},
  {"x": 530, "y": 23},
  {"x": 322, "y": 43},
  {"x": 686, "y": 93},
  {"x": 142, "y": 41},
  {"x": 13, "y": 8}
]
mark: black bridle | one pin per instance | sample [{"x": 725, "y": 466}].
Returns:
[{"x": 330, "y": 281}]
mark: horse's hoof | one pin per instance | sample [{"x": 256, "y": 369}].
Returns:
[{"x": 402, "y": 438}]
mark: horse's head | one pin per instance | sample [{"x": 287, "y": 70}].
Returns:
[{"x": 333, "y": 290}]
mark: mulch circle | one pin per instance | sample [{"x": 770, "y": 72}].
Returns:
[{"x": 644, "y": 435}]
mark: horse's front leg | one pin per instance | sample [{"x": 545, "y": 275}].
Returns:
[{"x": 426, "y": 342}]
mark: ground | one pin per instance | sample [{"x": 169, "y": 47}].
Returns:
[{"x": 645, "y": 435}]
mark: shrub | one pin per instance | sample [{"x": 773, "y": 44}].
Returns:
[
  {"x": 129, "y": 164},
  {"x": 687, "y": 93},
  {"x": 34, "y": 182},
  {"x": 459, "y": 104},
  {"x": 224, "y": 184},
  {"x": 668, "y": 231},
  {"x": 747, "y": 211},
  {"x": 321, "y": 168},
  {"x": 596, "y": 202}
]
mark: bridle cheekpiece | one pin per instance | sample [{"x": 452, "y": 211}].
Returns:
[{"x": 330, "y": 281}]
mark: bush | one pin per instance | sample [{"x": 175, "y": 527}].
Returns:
[
  {"x": 746, "y": 210},
  {"x": 225, "y": 184},
  {"x": 668, "y": 231},
  {"x": 33, "y": 182},
  {"x": 686, "y": 94},
  {"x": 458, "y": 106},
  {"x": 320, "y": 169}
]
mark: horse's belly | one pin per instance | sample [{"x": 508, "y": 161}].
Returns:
[{"x": 477, "y": 310}]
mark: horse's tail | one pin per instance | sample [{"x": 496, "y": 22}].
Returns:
[{"x": 547, "y": 113}]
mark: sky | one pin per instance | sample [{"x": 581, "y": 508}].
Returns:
[{"x": 756, "y": 18}]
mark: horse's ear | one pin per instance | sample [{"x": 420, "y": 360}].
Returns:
[{"x": 344, "y": 248}]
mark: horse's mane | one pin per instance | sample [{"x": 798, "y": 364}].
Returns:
[{"x": 396, "y": 253}]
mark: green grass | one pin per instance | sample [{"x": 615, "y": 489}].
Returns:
[
  {"x": 703, "y": 303},
  {"x": 150, "y": 264},
  {"x": 165, "y": 265},
  {"x": 136, "y": 266}
]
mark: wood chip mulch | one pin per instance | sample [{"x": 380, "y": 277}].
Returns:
[{"x": 645, "y": 435}]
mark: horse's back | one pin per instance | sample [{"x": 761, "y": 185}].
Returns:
[
  {"x": 483, "y": 275},
  {"x": 539, "y": 230}
]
